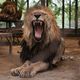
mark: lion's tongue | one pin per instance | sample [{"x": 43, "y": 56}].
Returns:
[{"x": 38, "y": 33}]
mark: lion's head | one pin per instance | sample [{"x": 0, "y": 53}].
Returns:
[{"x": 39, "y": 25}]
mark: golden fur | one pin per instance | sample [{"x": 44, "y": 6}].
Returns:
[
  {"x": 41, "y": 57},
  {"x": 52, "y": 31}
]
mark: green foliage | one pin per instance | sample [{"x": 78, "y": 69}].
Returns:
[
  {"x": 54, "y": 6},
  {"x": 21, "y": 5},
  {"x": 58, "y": 9},
  {"x": 79, "y": 8}
]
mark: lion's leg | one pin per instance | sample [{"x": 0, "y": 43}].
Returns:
[
  {"x": 25, "y": 52},
  {"x": 59, "y": 53},
  {"x": 16, "y": 71},
  {"x": 33, "y": 69}
]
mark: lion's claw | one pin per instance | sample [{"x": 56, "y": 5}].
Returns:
[
  {"x": 24, "y": 74},
  {"x": 14, "y": 72},
  {"x": 27, "y": 73}
]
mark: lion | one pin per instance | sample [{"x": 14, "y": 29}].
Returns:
[{"x": 42, "y": 44}]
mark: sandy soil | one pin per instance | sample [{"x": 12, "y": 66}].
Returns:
[{"x": 69, "y": 69}]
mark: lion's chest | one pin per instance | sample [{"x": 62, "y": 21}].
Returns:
[{"x": 35, "y": 49}]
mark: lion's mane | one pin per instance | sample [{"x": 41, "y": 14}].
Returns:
[{"x": 52, "y": 31}]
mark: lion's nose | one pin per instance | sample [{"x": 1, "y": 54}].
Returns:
[{"x": 37, "y": 16}]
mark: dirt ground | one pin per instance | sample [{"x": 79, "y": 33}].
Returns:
[{"x": 68, "y": 69}]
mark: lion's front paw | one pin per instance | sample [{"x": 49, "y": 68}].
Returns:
[
  {"x": 16, "y": 71},
  {"x": 27, "y": 72}
]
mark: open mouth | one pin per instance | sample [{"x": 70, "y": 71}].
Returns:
[{"x": 38, "y": 27}]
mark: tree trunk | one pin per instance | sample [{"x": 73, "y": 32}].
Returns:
[{"x": 43, "y": 2}]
